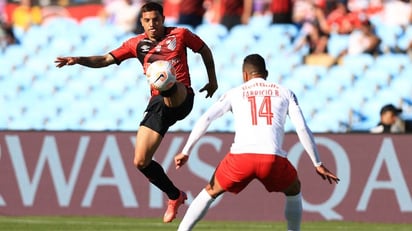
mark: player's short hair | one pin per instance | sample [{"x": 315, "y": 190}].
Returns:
[
  {"x": 256, "y": 63},
  {"x": 152, "y": 6}
]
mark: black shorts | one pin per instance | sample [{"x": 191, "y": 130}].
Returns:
[{"x": 159, "y": 117}]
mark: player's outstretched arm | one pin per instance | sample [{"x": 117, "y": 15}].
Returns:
[
  {"x": 326, "y": 174},
  {"x": 63, "y": 61},
  {"x": 89, "y": 61}
]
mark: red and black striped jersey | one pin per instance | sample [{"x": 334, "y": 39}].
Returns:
[{"x": 172, "y": 48}]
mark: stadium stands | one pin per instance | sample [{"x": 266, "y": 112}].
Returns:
[{"x": 340, "y": 98}]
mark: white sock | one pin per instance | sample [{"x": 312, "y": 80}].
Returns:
[
  {"x": 196, "y": 211},
  {"x": 293, "y": 212}
]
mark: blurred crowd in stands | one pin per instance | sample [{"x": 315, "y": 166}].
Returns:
[
  {"x": 315, "y": 19},
  {"x": 366, "y": 25}
]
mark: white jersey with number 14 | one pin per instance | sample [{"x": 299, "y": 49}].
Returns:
[{"x": 260, "y": 109}]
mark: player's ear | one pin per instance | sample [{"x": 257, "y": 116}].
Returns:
[{"x": 245, "y": 76}]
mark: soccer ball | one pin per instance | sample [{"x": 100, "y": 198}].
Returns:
[{"x": 161, "y": 75}]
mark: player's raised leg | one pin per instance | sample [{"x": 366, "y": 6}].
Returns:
[{"x": 147, "y": 141}]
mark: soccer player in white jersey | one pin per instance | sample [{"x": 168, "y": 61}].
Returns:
[{"x": 260, "y": 109}]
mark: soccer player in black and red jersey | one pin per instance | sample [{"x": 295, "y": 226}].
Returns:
[{"x": 165, "y": 108}]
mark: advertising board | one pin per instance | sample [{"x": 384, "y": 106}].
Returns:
[{"x": 92, "y": 173}]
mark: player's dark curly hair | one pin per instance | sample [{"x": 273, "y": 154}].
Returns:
[
  {"x": 152, "y": 6},
  {"x": 255, "y": 63}
]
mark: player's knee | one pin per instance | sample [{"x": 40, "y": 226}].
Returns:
[
  {"x": 293, "y": 188},
  {"x": 214, "y": 190},
  {"x": 169, "y": 92},
  {"x": 140, "y": 163}
]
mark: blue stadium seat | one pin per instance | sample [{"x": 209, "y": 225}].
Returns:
[
  {"x": 64, "y": 46},
  {"x": 324, "y": 121},
  {"x": 363, "y": 126},
  {"x": 16, "y": 54},
  {"x": 135, "y": 98},
  {"x": 238, "y": 41},
  {"x": 388, "y": 95},
  {"x": 23, "y": 78},
  {"x": 57, "y": 76},
  {"x": 8, "y": 65},
  {"x": 112, "y": 114},
  {"x": 313, "y": 100},
  {"x": 389, "y": 35},
  {"x": 308, "y": 75},
  {"x": 376, "y": 75},
  {"x": 357, "y": 95},
  {"x": 337, "y": 43},
  {"x": 39, "y": 65},
  {"x": 402, "y": 83},
  {"x": 43, "y": 89},
  {"x": 259, "y": 24},
  {"x": 358, "y": 63},
  {"x": 61, "y": 26},
  {"x": 19, "y": 123},
  {"x": 92, "y": 77},
  {"x": 272, "y": 44},
  {"x": 230, "y": 77},
  {"x": 35, "y": 39},
  {"x": 284, "y": 64},
  {"x": 288, "y": 30},
  {"x": 212, "y": 34},
  {"x": 98, "y": 44},
  {"x": 364, "y": 89},
  {"x": 212, "y": 28},
  {"x": 295, "y": 85},
  {"x": 129, "y": 124},
  {"x": 240, "y": 31},
  {"x": 9, "y": 90},
  {"x": 199, "y": 75},
  {"x": 65, "y": 97},
  {"x": 329, "y": 87},
  {"x": 405, "y": 39},
  {"x": 393, "y": 63},
  {"x": 78, "y": 88},
  {"x": 91, "y": 25},
  {"x": 370, "y": 111},
  {"x": 341, "y": 74},
  {"x": 340, "y": 108}
]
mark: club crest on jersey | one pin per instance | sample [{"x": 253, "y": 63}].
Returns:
[{"x": 171, "y": 43}]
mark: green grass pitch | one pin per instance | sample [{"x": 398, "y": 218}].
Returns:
[{"x": 127, "y": 223}]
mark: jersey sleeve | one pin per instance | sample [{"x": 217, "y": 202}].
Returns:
[
  {"x": 219, "y": 108},
  {"x": 125, "y": 51},
  {"x": 192, "y": 40},
  {"x": 304, "y": 133}
]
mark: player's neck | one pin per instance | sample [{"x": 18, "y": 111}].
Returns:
[{"x": 160, "y": 37}]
